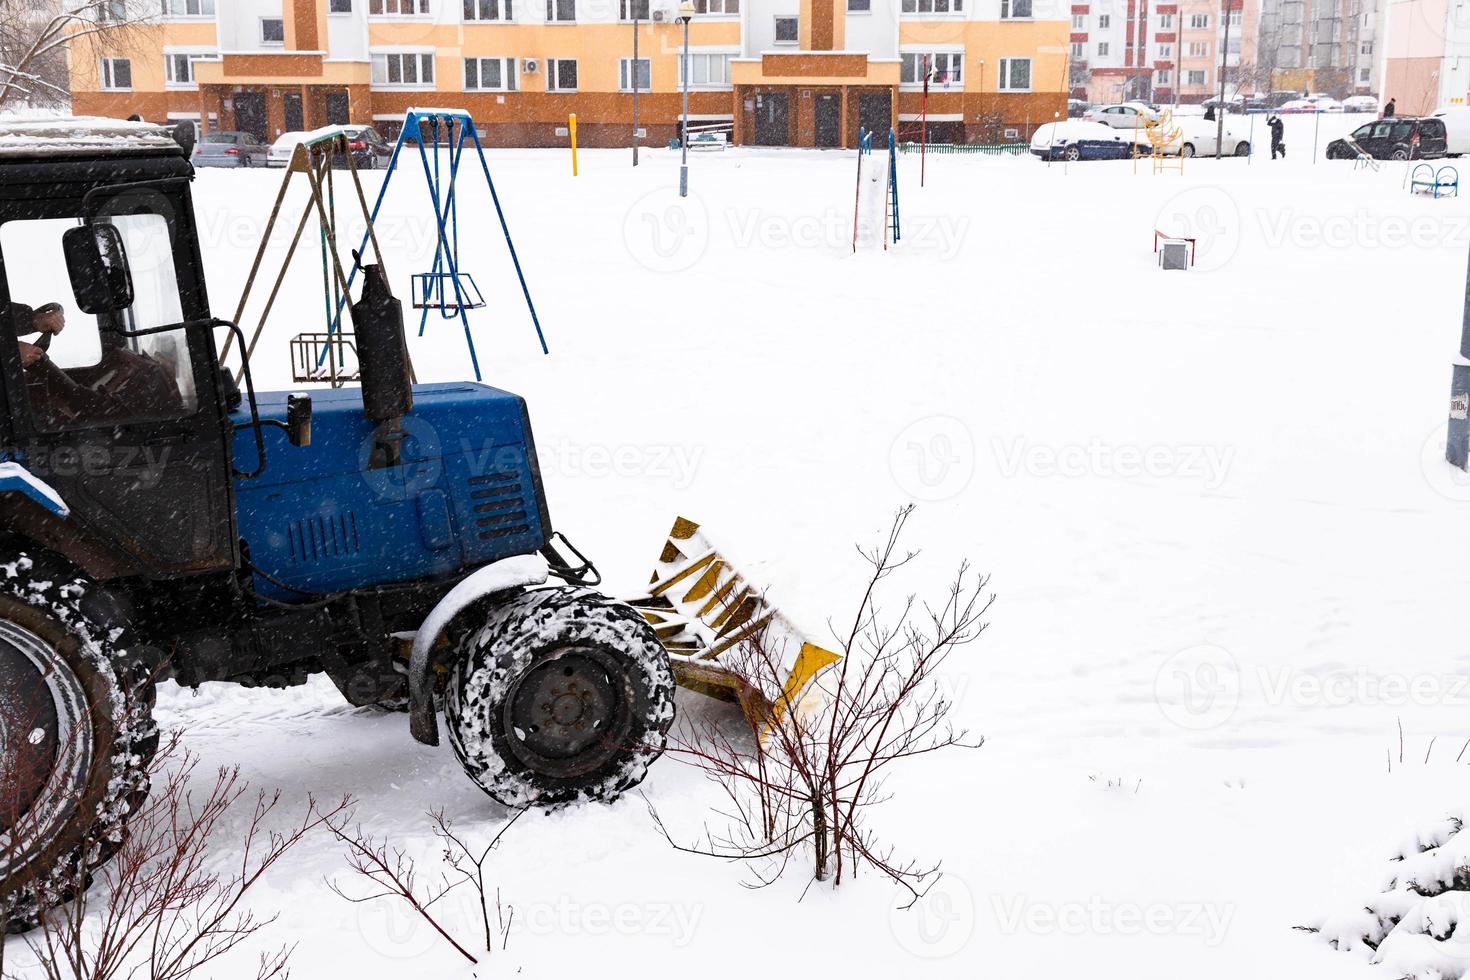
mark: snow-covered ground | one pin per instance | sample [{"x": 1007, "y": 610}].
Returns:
[{"x": 1230, "y": 561}]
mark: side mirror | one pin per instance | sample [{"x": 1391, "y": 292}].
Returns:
[
  {"x": 97, "y": 264},
  {"x": 298, "y": 420}
]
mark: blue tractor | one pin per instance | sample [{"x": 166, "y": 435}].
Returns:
[{"x": 162, "y": 521}]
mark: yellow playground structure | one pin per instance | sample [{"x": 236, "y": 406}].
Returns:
[{"x": 1161, "y": 139}]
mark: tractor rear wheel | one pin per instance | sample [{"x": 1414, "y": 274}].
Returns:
[
  {"x": 76, "y": 734},
  {"x": 562, "y": 696}
]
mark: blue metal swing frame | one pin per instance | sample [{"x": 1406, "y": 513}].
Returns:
[{"x": 430, "y": 290}]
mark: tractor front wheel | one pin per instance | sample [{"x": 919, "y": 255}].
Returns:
[
  {"x": 76, "y": 734},
  {"x": 562, "y": 696}
]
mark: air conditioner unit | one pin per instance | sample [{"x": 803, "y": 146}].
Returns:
[
  {"x": 660, "y": 15},
  {"x": 530, "y": 66}
]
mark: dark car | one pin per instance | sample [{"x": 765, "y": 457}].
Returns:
[
  {"x": 1079, "y": 139},
  {"x": 1399, "y": 138},
  {"x": 230, "y": 149},
  {"x": 369, "y": 149}
]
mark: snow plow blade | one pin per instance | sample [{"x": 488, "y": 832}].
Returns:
[{"x": 725, "y": 638}]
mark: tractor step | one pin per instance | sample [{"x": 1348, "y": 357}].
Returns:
[{"x": 723, "y": 635}]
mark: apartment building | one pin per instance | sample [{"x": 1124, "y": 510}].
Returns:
[
  {"x": 779, "y": 72},
  {"x": 1320, "y": 45},
  {"x": 1161, "y": 52}
]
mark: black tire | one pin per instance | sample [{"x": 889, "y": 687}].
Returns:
[
  {"x": 1072, "y": 154},
  {"x": 1401, "y": 153},
  {"x": 562, "y": 696},
  {"x": 70, "y": 679},
  {"x": 1187, "y": 150},
  {"x": 1243, "y": 149}
]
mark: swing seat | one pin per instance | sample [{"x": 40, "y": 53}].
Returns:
[
  {"x": 436, "y": 291},
  {"x": 310, "y": 362}
]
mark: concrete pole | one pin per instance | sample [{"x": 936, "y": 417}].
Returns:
[
  {"x": 635, "y": 80},
  {"x": 1457, "y": 442},
  {"x": 684, "y": 135}
]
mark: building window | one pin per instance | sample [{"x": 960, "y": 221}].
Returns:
[
  {"x": 407, "y": 69},
  {"x": 787, "y": 31},
  {"x": 339, "y": 6},
  {"x": 945, "y": 67},
  {"x": 1015, "y": 74},
  {"x": 489, "y": 74},
  {"x": 178, "y": 68},
  {"x": 487, "y": 10},
  {"x": 1076, "y": 49},
  {"x": 727, "y": 8},
  {"x": 272, "y": 30},
  {"x": 1166, "y": 50},
  {"x": 1102, "y": 49},
  {"x": 632, "y": 10},
  {"x": 117, "y": 74},
  {"x": 859, "y": 6},
  {"x": 1163, "y": 76},
  {"x": 1235, "y": 18},
  {"x": 1015, "y": 9},
  {"x": 1199, "y": 22},
  {"x": 630, "y": 78},
  {"x": 707, "y": 70},
  {"x": 561, "y": 75},
  {"x": 1363, "y": 74},
  {"x": 1166, "y": 21},
  {"x": 1079, "y": 22},
  {"x": 1196, "y": 76},
  {"x": 1198, "y": 49},
  {"x": 1103, "y": 21},
  {"x": 933, "y": 6},
  {"x": 1367, "y": 47},
  {"x": 561, "y": 11},
  {"x": 398, "y": 8},
  {"x": 188, "y": 8}
]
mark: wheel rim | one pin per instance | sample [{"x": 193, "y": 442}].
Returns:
[
  {"x": 570, "y": 713},
  {"x": 45, "y": 744}
]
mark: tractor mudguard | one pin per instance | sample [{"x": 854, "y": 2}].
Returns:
[
  {"x": 502, "y": 576},
  {"x": 15, "y": 478}
]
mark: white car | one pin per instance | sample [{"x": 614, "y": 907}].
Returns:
[
  {"x": 1199, "y": 138},
  {"x": 1326, "y": 103},
  {"x": 280, "y": 151},
  {"x": 1360, "y": 103},
  {"x": 1124, "y": 115}
]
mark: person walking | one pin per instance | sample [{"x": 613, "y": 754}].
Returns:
[
  {"x": 1277, "y": 143},
  {"x": 1388, "y": 110}
]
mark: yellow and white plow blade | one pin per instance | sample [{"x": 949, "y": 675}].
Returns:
[{"x": 723, "y": 635}]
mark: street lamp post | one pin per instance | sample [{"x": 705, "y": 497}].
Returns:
[{"x": 686, "y": 14}]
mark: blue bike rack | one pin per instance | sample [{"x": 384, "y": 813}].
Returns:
[
  {"x": 444, "y": 287},
  {"x": 1434, "y": 183}
]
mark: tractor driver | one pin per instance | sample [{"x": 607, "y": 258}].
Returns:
[{"x": 123, "y": 385}]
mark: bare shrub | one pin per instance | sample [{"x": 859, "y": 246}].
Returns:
[
  {"x": 807, "y": 783},
  {"x": 35, "y": 39}
]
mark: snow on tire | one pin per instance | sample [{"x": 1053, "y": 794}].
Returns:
[
  {"x": 562, "y": 696},
  {"x": 76, "y": 733}
]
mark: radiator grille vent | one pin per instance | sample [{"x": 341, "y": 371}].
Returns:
[
  {"x": 499, "y": 505},
  {"x": 322, "y": 538}
]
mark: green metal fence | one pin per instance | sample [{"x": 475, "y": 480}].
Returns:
[{"x": 993, "y": 150}]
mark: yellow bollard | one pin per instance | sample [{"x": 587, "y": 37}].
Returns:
[{"x": 572, "y": 129}]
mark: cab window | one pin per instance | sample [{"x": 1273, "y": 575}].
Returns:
[{"x": 79, "y": 370}]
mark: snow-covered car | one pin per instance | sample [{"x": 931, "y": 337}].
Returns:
[
  {"x": 1200, "y": 134},
  {"x": 369, "y": 149},
  {"x": 1326, "y": 103},
  {"x": 1360, "y": 103},
  {"x": 1299, "y": 105},
  {"x": 280, "y": 151},
  {"x": 1076, "y": 108},
  {"x": 1079, "y": 139},
  {"x": 230, "y": 149},
  {"x": 1123, "y": 115}
]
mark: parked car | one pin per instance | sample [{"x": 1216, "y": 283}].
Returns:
[
  {"x": 229, "y": 149},
  {"x": 1360, "y": 103},
  {"x": 1123, "y": 115},
  {"x": 1326, "y": 103},
  {"x": 1236, "y": 104},
  {"x": 1080, "y": 139},
  {"x": 1398, "y": 138},
  {"x": 369, "y": 149},
  {"x": 1200, "y": 134},
  {"x": 1457, "y": 129},
  {"x": 1076, "y": 107}
]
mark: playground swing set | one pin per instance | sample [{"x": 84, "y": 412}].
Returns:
[{"x": 442, "y": 137}]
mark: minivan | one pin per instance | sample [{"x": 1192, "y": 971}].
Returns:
[{"x": 1398, "y": 138}]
